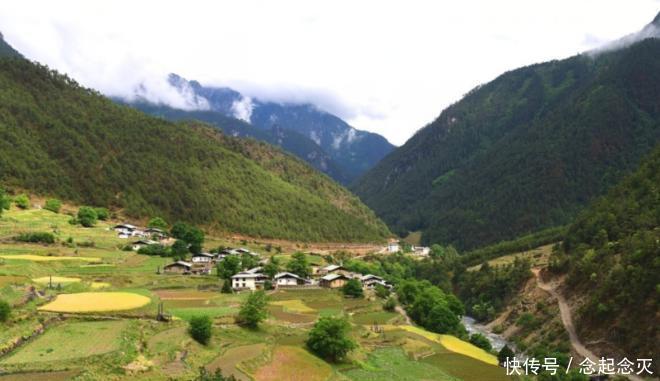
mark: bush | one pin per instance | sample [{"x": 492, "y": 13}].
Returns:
[
  {"x": 200, "y": 329},
  {"x": 353, "y": 288},
  {"x": 480, "y": 341},
  {"x": 22, "y": 201},
  {"x": 329, "y": 338},
  {"x": 5, "y": 311},
  {"x": 382, "y": 291},
  {"x": 390, "y": 304},
  {"x": 158, "y": 223},
  {"x": 35, "y": 237},
  {"x": 54, "y": 205},
  {"x": 253, "y": 311},
  {"x": 504, "y": 353},
  {"x": 87, "y": 216},
  {"x": 102, "y": 213},
  {"x": 226, "y": 287},
  {"x": 155, "y": 249}
]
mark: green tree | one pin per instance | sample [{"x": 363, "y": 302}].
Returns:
[
  {"x": 442, "y": 320},
  {"x": 329, "y": 338},
  {"x": 205, "y": 375},
  {"x": 299, "y": 265},
  {"x": 5, "y": 311},
  {"x": 179, "y": 250},
  {"x": 272, "y": 267},
  {"x": 201, "y": 328},
  {"x": 248, "y": 261},
  {"x": 505, "y": 353},
  {"x": 480, "y": 341},
  {"x": 192, "y": 235},
  {"x": 157, "y": 223},
  {"x": 102, "y": 213},
  {"x": 229, "y": 267},
  {"x": 253, "y": 310},
  {"x": 87, "y": 216},
  {"x": 22, "y": 201},
  {"x": 353, "y": 288},
  {"x": 5, "y": 200},
  {"x": 226, "y": 287},
  {"x": 381, "y": 291},
  {"x": 54, "y": 205},
  {"x": 390, "y": 304}
]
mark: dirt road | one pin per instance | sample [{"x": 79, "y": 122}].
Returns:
[{"x": 567, "y": 320}]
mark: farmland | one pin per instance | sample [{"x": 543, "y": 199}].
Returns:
[{"x": 89, "y": 287}]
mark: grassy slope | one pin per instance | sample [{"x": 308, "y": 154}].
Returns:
[
  {"x": 523, "y": 152},
  {"x": 63, "y": 140}
]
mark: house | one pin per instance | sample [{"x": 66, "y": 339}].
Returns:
[
  {"x": 137, "y": 245},
  {"x": 393, "y": 247},
  {"x": 201, "y": 268},
  {"x": 124, "y": 230},
  {"x": 203, "y": 258},
  {"x": 155, "y": 233},
  {"x": 421, "y": 251},
  {"x": 370, "y": 281},
  {"x": 286, "y": 279},
  {"x": 315, "y": 269},
  {"x": 178, "y": 267},
  {"x": 333, "y": 280},
  {"x": 333, "y": 269},
  {"x": 247, "y": 280}
]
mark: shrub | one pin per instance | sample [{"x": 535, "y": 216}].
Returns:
[
  {"x": 504, "y": 353},
  {"x": 353, "y": 288},
  {"x": 200, "y": 329},
  {"x": 102, "y": 213},
  {"x": 22, "y": 201},
  {"x": 382, "y": 291},
  {"x": 87, "y": 216},
  {"x": 158, "y": 223},
  {"x": 54, "y": 205},
  {"x": 5, "y": 311},
  {"x": 253, "y": 311},
  {"x": 299, "y": 265},
  {"x": 155, "y": 249},
  {"x": 226, "y": 287},
  {"x": 35, "y": 237},
  {"x": 390, "y": 304},
  {"x": 480, "y": 341},
  {"x": 329, "y": 338}
]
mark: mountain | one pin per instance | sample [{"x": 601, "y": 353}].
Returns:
[
  {"x": 320, "y": 138},
  {"x": 289, "y": 140},
  {"x": 524, "y": 152},
  {"x": 611, "y": 256},
  {"x": 60, "y": 139},
  {"x": 7, "y": 50}
]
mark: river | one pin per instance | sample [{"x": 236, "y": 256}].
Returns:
[{"x": 497, "y": 341}]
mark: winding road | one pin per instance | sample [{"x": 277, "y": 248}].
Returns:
[{"x": 566, "y": 319}]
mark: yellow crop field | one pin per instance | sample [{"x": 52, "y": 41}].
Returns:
[
  {"x": 96, "y": 302},
  {"x": 44, "y": 258},
  {"x": 451, "y": 343},
  {"x": 97, "y": 285},
  {"x": 294, "y": 305},
  {"x": 55, "y": 280}
]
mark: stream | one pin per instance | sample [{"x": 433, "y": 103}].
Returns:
[{"x": 497, "y": 341}]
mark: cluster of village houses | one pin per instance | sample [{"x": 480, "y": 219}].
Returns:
[{"x": 331, "y": 276}]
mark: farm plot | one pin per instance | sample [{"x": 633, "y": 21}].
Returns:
[
  {"x": 56, "y": 280},
  {"x": 46, "y": 258},
  {"x": 293, "y": 364},
  {"x": 96, "y": 302},
  {"x": 187, "y": 303},
  {"x": 229, "y": 362},
  {"x": 393, "y": 364},
  {"x": 71, "y": 341}
]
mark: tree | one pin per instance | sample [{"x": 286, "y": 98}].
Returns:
[
  {"x": 504, "y": 353},
  {"x": 22, "y": 201},
  {"x": 299, "y": 265},
  {"x": 5, "y": 311},
  {"x": 205, "y": 375},
  {"x": 200, "y": 329},
  {"x": 441, "y": 319},
  {"x": 329, "y": 338},
  {"x": 480, "y": 341},
  {"x": 382, "y": 291},
  {"x": 179, "y": 250},
  {"x": 390, "y": 304},
  {"x": 87, "y": 216},
  {"x": 353, "y": 288},
  {"x": 54, "y": 205},
  {"x": 192, "y": 235},
  {"x": 102, "y": 213},
  {"x": 229, "y": 267},
  {"x": 5, "y": 201},
  {"x": 248, "y": 261},
  {"x": 157, "y": 223},
  {"x": 253, "y": 311},
  {"x": 272, "y": 267},
  {"x": 226, "y": 287}
]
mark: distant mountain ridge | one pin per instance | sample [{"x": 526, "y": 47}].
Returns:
[
  {"x": 523, "y": 152},
  {"x": 324, "y": 140}
]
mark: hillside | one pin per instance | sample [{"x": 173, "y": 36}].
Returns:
[
  {"x": 64, "y": 140},
  {"x": 611, "y": 256},
  {"x": 523, "y": 152},
  {"x": 322, "y": 139}
]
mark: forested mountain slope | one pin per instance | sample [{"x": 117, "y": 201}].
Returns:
[
  {"x": 612, "y": 256},
  {"x": 523, "y": 152},
  {"x": 60, "y": 139}
]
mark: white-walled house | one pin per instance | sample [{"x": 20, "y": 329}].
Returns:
[
  {"x": 393, "y": 247},
  {"x": 286, "y": 279},
  {"x": 137, "y": 245},
  {"x": 370, "y": 281},
  {"x": 203, "y": 258},
  {"x": 247, "y": 280}
]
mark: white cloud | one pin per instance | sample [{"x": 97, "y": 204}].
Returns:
[
  {"x": 385, "y": 66},
  {"x": 242, "y": 108}
]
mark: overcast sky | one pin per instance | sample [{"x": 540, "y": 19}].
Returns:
[{"x": 384, "y": 66}]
